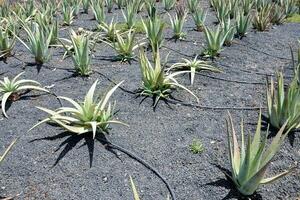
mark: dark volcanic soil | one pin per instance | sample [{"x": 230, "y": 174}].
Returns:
[{"x": 48, "y": 164}]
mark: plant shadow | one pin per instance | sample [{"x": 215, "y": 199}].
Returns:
[
  {"x": 71, "y": 140},
  {"x": 228, "y": 184}
]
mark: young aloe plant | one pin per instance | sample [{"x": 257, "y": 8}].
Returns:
[
  {"x": 154, "y": 30},
  {"x": 38, "y": 42},
  {"x": 278, "y": 14},
  {"x": 215, "y": 40},
  {"x": 193, "y": 5},
  {"x": 229, "y": 29},
  {"x": 177, "y": 23},
  {"x": 193, "y": 66},
  {"x": 168, "y": 4},
  {"x": 109, "y": 5},
  {"x": 125, "y": 46},
  {"x": 89, "y": 116},
  {"x": 249, "y": 162},
  {"x": 68, "y": 13},
  {"x": 7, "y": 41},
  {"x": 242, "y": 23},
  {"x": 110, "y": 30},
  {"x": 98, "y": 10},
  {"x": 155, "y": 82},
  {"x": 284, "y": 107},
  {"x": 262, "y": 18},
  {"x": 86, "y": 6},
  {"x": 129, "y": 14},
  {"x": 82, "y": 54},
  {"x": 9, "y": 89},
  {"x": 199, "y": 17}
]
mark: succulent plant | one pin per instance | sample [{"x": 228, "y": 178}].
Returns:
[
  {"x": 251, "y": 159},
  {"x": 89, "y": 116},
  {"x": 9, "y": 89}
]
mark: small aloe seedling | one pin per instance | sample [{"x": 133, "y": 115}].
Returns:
[
  {"x": 177, "y": 23},
  {"x": 215, "y": 40},
  {"x": 86, "y": 6},
  {"x": 109, "y": 5},
  {"x": 125, "y": 47},
  {"x": 193, "y": 66},
  {"x": 9, "y": 89},
  {"x": 199, "y": 17},
  {"x": 81, "y": 55},
  {"x": 250, "y": 161},
  {"x": 229, "y": 29},
  {"x": 155, "y": 82},
  {"x": 193, "y": 5},
  {"x": 89, "y": 116},
  {"x": 277, "y": 15},
  {"x": 196, "y": 147},
  {"x": 284, "y": 107},
  {"x": 98, "y": 10},
  {"x": 38, "y": 42}
]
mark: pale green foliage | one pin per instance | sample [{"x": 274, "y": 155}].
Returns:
[
  {"x": 90, "y": 116},
  {"x": 250, "y": 160},
  {"x": 214, "y": 41},
  {"x": 230, "y": 30},
  {"x": 7, "y": 40},
  {"x": 68, "y": 13},
  {"x": 120, "y": 3},
  {"x": 284, "y": 106},
  {"x": 193, "y": 5},
  {"x": 129, "y": 14},
  {"x": 193, "y": 66},
  {"x": 98, "y": 10},
  {"x": 222, "y": 10},
  {"x": 262, "y": 18},
  {"x": 168, "y": 4},
  {"x": 247, "y": 5},
  {"x": 12, "y": 87},
  {"x": 199, "y": 17},
  {"x": 110, "y": 30},
  {"x": 156, "y": 83},
  {"x": 81, "y": 54},
  {"x": 126, "y": 46},
  {"x": 277, "y": 15},
  {"x": 242, "y": 24},
  {"x": 177, "y": 23},
  {"x": 86, "y": 5},
  {"x": 109, "y": 5},
  {"x": 48, "y": 26},
  {"x": 196, "y": 147},
  {"x": 38, "y": 42},
  {"x": 154, "y": 30}
]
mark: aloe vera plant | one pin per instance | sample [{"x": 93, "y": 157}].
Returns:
[
  {"x": 199, "y": 17},
  {"x": 193, "y": 5},
  {"x": 242, "y": 24},
  {"x": 284, "y": 106},
  {"x": 68, "y": 13},
  {"x": 262, "y": 18},
  {"x": 154, "y": 30},
  {"x": 7, "y": 41},
  {"x": 125, "y": 47},
  {"x": 98, "y": 10},
  {"x": 155, "y": 82},
  {"x": 193, "y": 66},
  {"x": 86, "y": 5},
  {"x": 251, "y": 159},
  {"x": 129, "y": 14},
  {"x": 215, "y": 40},
  {"x": 168, "y": 4},
  {"x": 90, "y": 116},
  {"x": 38, "y": 42},
  {"x": 177, "y": 23},
  {"x": 9, "y": 89},
  {"x": 81, "y": 55}
]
